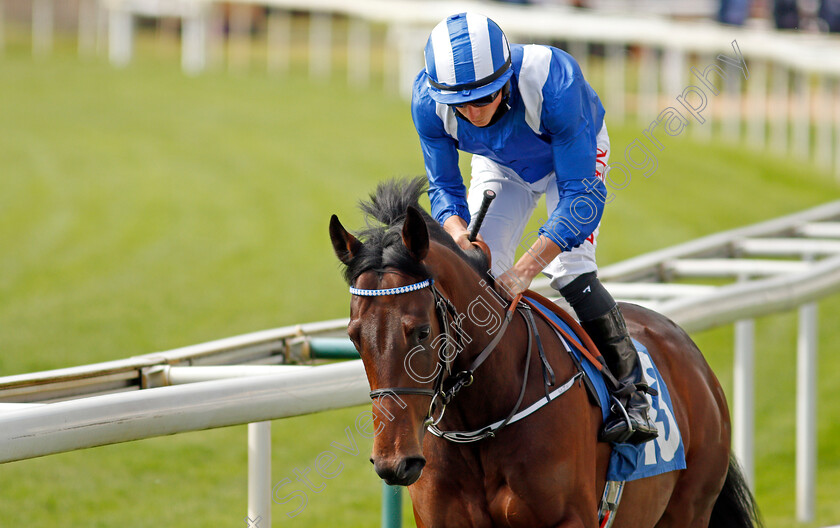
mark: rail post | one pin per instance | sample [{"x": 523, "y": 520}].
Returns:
[
  {"x": 744, "y": 396},
  {"x": 743, "y": 430},
  {"x": 806, "y": 413},
  {"x": 391, "y": 506},
  {"x": 259, "y": 474}
]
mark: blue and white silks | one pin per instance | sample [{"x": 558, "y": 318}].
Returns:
[{"x": 551, "y": 127}]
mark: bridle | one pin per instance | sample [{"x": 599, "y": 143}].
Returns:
[
  {"x": 447, "y": 319},
  {"x": 447, "y": 384}
]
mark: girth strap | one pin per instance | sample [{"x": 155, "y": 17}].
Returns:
[
  {"x": 548, "y": 373},
  {"x": 609, "y": 503},
  {"x": 595, "y": 358}
]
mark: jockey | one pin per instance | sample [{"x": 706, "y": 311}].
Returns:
[{"x": 534, "y": 127}]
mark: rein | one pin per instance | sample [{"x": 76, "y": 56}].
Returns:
[{"x": 444, "y": 309}]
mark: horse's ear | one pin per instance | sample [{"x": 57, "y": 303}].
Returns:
[
  {"x": 415, "y": 234},
  {"x": 346, "y": 246}
]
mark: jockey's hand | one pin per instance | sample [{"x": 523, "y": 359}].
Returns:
[
  {"x": 463, "y": 240},
  {"x": 511, "y": 283},
  {"x": 460, "y": 233}
]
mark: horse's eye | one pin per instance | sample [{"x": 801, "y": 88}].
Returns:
[{"x": 423, "y": 332}]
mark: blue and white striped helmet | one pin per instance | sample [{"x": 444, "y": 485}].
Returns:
[{"x": 467, "y": 58}]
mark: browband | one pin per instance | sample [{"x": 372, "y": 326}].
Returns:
[{"x": 392, "y": 291}]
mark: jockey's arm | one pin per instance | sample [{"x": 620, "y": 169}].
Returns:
[
  {"x": 518, "y": 278},
  {"x": 565, "y": 227}
]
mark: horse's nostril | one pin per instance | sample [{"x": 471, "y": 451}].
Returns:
[
  {"x": 371, "y": 460},
  {"x": 405, "y": 473},
  {"x": 412, "y": 467}
]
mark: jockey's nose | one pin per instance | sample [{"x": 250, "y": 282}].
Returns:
[{"x": 471, "y": 112}]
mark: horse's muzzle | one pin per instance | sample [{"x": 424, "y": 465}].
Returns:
[{"x": 404, "y": 473}]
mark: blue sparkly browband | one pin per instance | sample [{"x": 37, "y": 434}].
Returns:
[{"x": 392, "y": 291}]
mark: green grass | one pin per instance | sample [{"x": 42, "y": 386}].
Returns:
[{"x": 143, "y": 210}]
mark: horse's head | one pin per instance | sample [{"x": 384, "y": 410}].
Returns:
[{"x": 395, "y": 323}]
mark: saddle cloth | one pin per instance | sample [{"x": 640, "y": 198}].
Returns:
[{"x": 627, "y": 461}]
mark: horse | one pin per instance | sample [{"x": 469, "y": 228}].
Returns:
[{"x": 424, "y": 313}]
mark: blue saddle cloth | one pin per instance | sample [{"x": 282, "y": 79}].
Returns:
[{"x": 627, "y": 461}]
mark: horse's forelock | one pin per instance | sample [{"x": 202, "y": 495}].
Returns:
[
  {"x": 392, "y": 198},
  {"x": 382, "y": 243},
  {"x": 383, "y": 248}
]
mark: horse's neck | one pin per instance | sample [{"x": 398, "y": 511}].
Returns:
[
  {"x": 499, "y": 379},
  {"x": 480, "y": 310}
]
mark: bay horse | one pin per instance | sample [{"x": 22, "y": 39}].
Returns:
[{"x": 416, "y": 322}]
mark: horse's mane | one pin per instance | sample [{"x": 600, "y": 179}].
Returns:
[{"x": 382, "y": 239}]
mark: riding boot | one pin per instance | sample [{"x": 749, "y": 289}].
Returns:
[
  {"x": 602, "y": 320},
  {"x": 609, "y": 332}
]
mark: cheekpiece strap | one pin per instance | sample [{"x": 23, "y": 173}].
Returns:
[{"x": 392, "y": 291}]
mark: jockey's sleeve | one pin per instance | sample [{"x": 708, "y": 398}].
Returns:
[
  {"x": 573, "y": 116},
  {"x": 447, "y": 193}
]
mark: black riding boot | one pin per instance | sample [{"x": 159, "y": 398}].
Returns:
[
  {"x": 602, "y": 320},
  {"x": 609, "y": 332}
]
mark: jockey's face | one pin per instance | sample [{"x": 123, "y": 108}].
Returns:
[{"x": 480, "y": 115}]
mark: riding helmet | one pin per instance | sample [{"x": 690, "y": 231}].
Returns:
[{"x": 467, "y": 58}]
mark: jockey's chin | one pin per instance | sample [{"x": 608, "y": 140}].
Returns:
[{"x": 480, "y": 116}]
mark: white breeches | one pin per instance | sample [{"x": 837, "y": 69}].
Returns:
[{"x": 504, "y": 226}]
